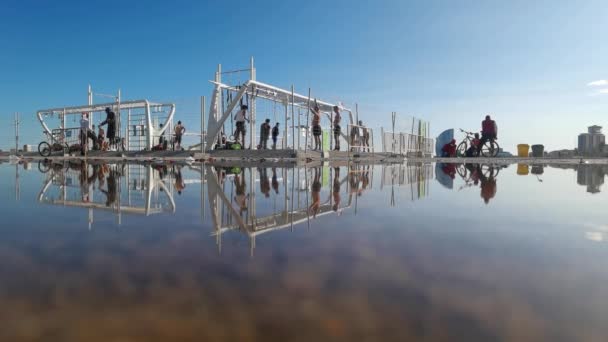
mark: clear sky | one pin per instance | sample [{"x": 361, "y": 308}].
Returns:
[{"x": 528, "y": 63}]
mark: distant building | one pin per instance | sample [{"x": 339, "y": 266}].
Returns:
[
  {"x": 592, "y": 142},
  {"x": 591, "y": 176},
  {"x": 561, "y": 154},
  {"x": 503, "y": 154}
]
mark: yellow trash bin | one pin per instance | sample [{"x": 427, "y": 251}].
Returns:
[
  {"x": 523, "y": 150},
  {"x": 522, "y": 169}
]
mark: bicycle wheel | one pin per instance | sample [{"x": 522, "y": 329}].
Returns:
[
  {"x": 490, "y": 171},
  {"x": 461, "y": 150},
  {"x": 43, "y": 166},
  {"x": 490, "y": 149},
  {"x": 462, "y": 171},
  {"x": 44, "y": 149}
]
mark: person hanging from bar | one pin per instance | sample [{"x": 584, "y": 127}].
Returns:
[
  {"x": 241, "y": 117},
  {"x": 316, "y": 126},
  {"x": 337, "y": 128}
]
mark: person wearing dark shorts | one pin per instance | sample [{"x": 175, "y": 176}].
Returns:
[
  {"x": 275, "y": 136},
  {"x": 316, "y": 126},
  {"x": 241, "y": 130},
  {"x": 337, "y": 128}
]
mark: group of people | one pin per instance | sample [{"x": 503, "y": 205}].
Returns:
[
  {"x": 176, "y": 142},
  {"x": 489, "y": 132},
  {"x": 99, "y": 139},
  {"x": 359, "y": 134}
]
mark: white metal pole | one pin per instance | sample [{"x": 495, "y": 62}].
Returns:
[
  {"x": 285, "y": 135},
  {"x": 308, "y": 122},
  {"x": 202, "y": 124},
  {"x": 293, "y": 126},
  {"x": 90, "y": 103},
  {"x": 16, "y": 133},
  {"x": 118, "y": 113}
]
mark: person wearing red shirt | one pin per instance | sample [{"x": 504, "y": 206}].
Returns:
[
  {"x": 489, "y": 130},
  {"x": 449, "y": 149}
]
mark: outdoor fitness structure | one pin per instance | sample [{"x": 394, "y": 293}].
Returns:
[
  {"x": 287, "y": 106},
  {"x": 141, "y": 122},
  {"x": 139, "y": 131}
]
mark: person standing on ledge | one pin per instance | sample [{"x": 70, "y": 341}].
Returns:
[
  {"x": 111, "y": 122},
  {"x": 316, "y": 126},
  {"x": 264, "y": 134},
  {"x": 179, "y": 132},
  {"x": 337, "y": 128},
  {"x": 84, "y": 133},
  {"x": 241, "y": 117},
  {"x": 489, "y": 130},
  {"x": 275, "y": 136}
]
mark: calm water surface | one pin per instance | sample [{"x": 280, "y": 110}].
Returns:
[{"x": 385, "y": 253}]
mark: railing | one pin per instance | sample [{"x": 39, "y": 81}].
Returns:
[{"x": 407, "y": 144}]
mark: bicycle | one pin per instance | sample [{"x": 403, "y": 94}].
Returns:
[
  {"x": 489, "y": 149},
  {"x": 53, "y": 143}
]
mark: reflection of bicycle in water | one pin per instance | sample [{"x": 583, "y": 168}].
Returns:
[
  {"x": 488, "y": 149},
  {"x": 484, "y": 170}
]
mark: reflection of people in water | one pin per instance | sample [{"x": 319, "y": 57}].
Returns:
[
  {"x": 275, "y": 182},
  {"x": 112, "y": 188},
  {"x": 241, "y": 188},
  {"x": 364, "y": 179},
  {"x": 474, "y": 172},
  {"x": 449, "y": 169},
  {"x": 179, "y": 181},
  {"x": 86, "y": 180},
  {"x": 264, "y": 183},
  {"x": 488, "y": 186},
  {"x": 336, "y": 189},
  {"x": 316, "y": 193}
]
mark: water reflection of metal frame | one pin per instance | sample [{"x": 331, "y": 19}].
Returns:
[
  {"x": 416, "y": 175},
  {"x": 73, "y": 185},
  {"x": 226, "y": 217}
]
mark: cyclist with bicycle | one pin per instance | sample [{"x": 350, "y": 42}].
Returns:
[
  {"x": 475, "y": 148},
  {"x": 489, "y": 130}
]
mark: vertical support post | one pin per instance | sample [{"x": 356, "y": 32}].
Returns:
[
  {"x": 118, "y": 121},
  {"x": 308, "y": 122},
  {"x": 252, "y": 107},
  {"x": 299, "y": 129},
  {"x": 90, "y": 103},
  {"x": 293, "y": 122},
  {"x": 127, "y": 138},
  {"x": 16, "y": 133},
  {"x": 285, "y": 135},
  {"x": 202, "y": 124}
]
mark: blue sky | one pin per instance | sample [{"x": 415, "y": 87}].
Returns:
[{"x": 528, "y": 63}]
